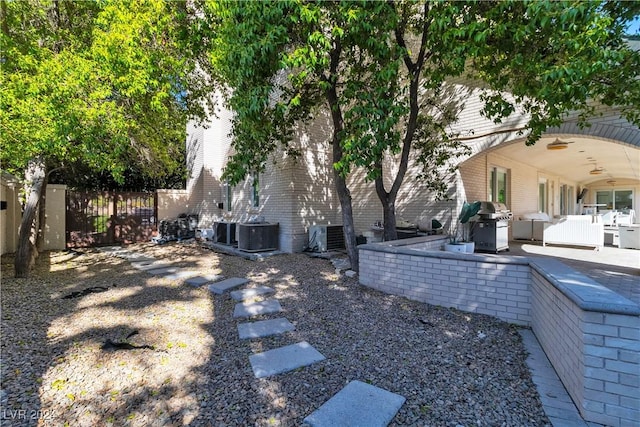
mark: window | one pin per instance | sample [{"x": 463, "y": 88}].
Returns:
[
  {"x": 566, "y": 200},
  {"x": 571, "y": 206},
  {"x": 619, "y": 200},
  {"x": 255, "y": 191},
  {"x": 543, "y": 195},
  {"x": 498, "y": 186},
  {"x": 228, "y": 195}
]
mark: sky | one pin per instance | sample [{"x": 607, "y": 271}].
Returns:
[{"x": 634, "y": 27}]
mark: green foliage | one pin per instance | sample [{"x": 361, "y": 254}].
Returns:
[
  {"x": 97, "y": 84},
  {"x": 394, "y": 61},
  {"x": 555, "y": 59}
]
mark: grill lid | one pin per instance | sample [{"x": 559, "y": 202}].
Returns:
[
  {"x": 494, "y": 210},
  {"x": 492, "y": 207}
]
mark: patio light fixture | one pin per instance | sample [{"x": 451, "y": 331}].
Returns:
[
  {"x": 558, "y": 145},
  {"x": 596, "y": 171}
]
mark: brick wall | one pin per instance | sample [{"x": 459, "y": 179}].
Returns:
[
  {"x": 592, "y": 337},
  {"x": 612, "y": 368},
  {"x": 472, "y": 283},
  {"x": 590, "y": 334},
  {"x": 562, "y": 344}
]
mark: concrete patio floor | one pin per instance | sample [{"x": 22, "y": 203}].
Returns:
[{"x": 617, "y": 269}]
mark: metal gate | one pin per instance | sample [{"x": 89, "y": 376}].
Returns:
[{"x": 106, "y": 218}]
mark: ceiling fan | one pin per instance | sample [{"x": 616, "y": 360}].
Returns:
[
  {"x": 596, "y": 170},
  {"x": 558, "y": 144}
]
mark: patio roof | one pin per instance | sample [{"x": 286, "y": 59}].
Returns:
[{"x": 619, "y": 160}]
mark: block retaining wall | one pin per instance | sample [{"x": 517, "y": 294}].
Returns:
[{"x": 590, "y": 334}]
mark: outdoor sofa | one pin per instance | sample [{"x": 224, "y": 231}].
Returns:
[{"x": 575, "y": 230}]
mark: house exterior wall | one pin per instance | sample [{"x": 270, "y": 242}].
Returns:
[
  {"x": 620, "y": 184},
  {"x": 172, "y": 203},
  {"x": 300, "y": 192},
  {"x": 522, "y": 192},
  {"x": 294, "y": 192}
]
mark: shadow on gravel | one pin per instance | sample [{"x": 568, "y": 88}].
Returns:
[
  {"x": 187, "y": 366},
  {"x": 88, "y": 340}
]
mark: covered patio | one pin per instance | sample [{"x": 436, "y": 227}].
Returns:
[{"x": 569, "y": 171}]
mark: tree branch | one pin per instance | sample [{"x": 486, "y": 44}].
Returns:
[{"x": 497, "y": 132}]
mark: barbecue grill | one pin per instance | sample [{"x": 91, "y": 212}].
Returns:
[{"x": 491, "y": 231}]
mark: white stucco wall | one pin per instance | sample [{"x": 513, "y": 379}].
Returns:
[{"x": 55, "y": 229}]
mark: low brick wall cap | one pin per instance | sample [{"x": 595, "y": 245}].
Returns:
[{"x": 585, "y": 292}]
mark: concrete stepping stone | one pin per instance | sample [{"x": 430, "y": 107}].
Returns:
[
  {"x": 264, "y": 328},
  {"x": 245, "y": 309},
  {"x": 358, "y": 404},
  {"x": 243, "y": 294},
  {"x": 114, "y": 251},
  {"x": 181, "y": 274},
  {"x": 149, "y": 265},
  {"x": 162, "y": 271},
  {"x": 131, "y": 256},
  {"x": 225, "y": 285},
  {"x": 110, "y": 249},
  {"x": 201, "y": 280},
  {"x": 284, "y": 359}
]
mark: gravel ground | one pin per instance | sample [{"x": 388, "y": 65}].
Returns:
[{"x": 454, "y": 368}]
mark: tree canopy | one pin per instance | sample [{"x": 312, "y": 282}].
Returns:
[
  {"x": 105, "y": 86},
  {"x": 380, "y": 69},
  {"x": 94, "y": 83}
]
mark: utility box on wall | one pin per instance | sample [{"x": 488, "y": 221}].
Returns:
[{"x": 324, "y": 238}]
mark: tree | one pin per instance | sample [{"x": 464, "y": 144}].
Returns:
[
  {"x": 550, "y": 60},
  {"x": 381, "y": 69},
  {"x": 102, "y": 84}
]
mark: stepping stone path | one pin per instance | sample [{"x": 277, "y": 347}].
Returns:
[
  {"x": 245, "y": 294},
  {"x": 149, "y": 265},
  {"x": 181, "y": 275},
  {"x": 284, "y": 359},
  {"x": 264, "y": 328},
  {"x": 201, "y": 280},
  {"x": 358, "y": 404},
  {"x": 163, "y": 271},
  {"x": 244, "y": 309},
  {"x": 225, "y": 285}
]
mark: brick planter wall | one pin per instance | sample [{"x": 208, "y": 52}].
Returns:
[{"x": 590, "y": 334}]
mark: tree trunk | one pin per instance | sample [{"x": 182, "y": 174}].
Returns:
[
  {"x": 344, "y": 195},
  {"x": 388, "y": 198},
  {"x": 41, "y": 217},
  {"x": 388, "y": 202},
  {"x": 26, "y": 254}
]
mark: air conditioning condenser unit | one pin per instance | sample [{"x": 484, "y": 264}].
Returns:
[{"x": 324, "y": 238}]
